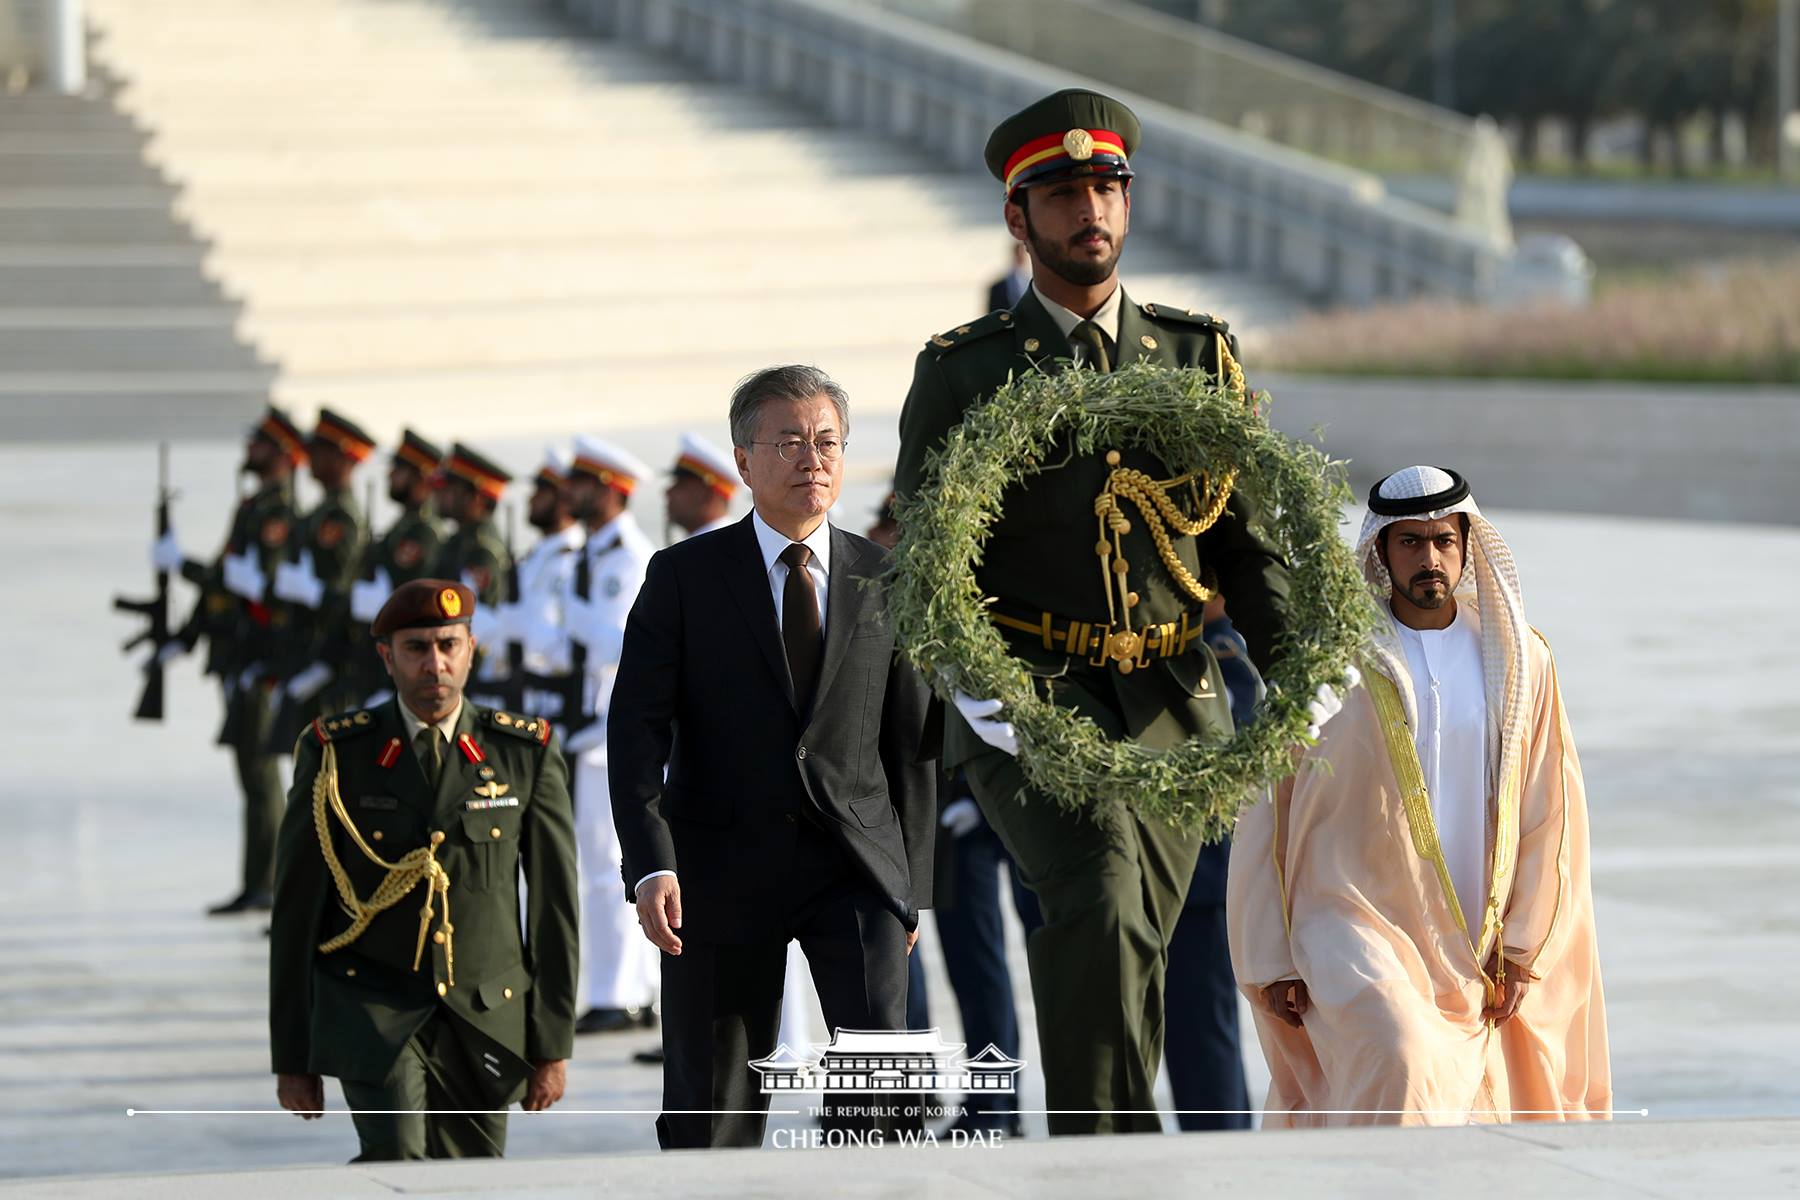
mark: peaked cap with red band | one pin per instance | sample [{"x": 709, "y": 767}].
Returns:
[
  {"x": 478, "y": 470},
  {"x": 279, "y": 428},
  {"x": 339, "y": 431},
  {"x": 1069, "y": 134},
  {"x": 416, "y": 452}
]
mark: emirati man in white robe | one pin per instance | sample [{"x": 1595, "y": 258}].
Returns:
[{"x": 1410, "y": 914}]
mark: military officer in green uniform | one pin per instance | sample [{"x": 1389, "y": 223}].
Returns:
[
  {"x": 1122, "y": 648},
  {"x": 403, "y": 957},
  {"x": 232, "y": 614},
  {"x": 471, "y": 488},
  {"x": 311, "y": 620},
  {"x": 407, "y": 551}
]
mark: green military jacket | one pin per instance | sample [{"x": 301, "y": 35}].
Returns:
[
  {"x": 1040, "y": 555},
  {"x": 409, "y": 549},
  {"x": 502, "y": 807},
  {"x": 236, "y": 630},
  {"x": 475, "y": 553},
  {"x": 336, "y": 534}
]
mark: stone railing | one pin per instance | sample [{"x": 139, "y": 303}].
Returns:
[
  {"x": 42, "y": 45},
  {"x": 1240, "y": 202}
]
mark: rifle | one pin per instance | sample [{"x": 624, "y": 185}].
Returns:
[{"x": 156, "y": 632}]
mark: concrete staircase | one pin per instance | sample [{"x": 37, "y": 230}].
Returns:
[
  {"x": 109, "y": 324},
  {"x": 470, "y": 215}
]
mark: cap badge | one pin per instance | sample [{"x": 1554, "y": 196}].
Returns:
[
  {"x": 449, "y": 603},
  {"x": 1079, "y": 143}
]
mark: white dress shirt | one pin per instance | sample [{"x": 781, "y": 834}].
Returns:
[
  {"x": 1107, "y": 317},
  {"x": 772, "y": 544},
  {"x": 1450, "y": 698}
]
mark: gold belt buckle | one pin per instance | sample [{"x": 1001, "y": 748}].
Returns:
[{"x": 1125, "y": 648}]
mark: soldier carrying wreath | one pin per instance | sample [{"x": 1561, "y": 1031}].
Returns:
[{"x": 1099, "y": 565}]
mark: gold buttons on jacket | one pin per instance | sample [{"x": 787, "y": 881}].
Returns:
[
  {"x": 442, "y": 988},
  {"x": 438, "y": 937},
  {"x": 375, "y": 836},
  {"x": 506, "y": 992},
  {"x": 1031, "y": 345},
  {"x": 1148, "y": 341},
  {"x": 350, "y": 974},
  {"x": 494, "y": 832}
]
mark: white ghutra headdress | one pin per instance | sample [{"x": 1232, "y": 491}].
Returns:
[{"x": 1490, "y": 581}]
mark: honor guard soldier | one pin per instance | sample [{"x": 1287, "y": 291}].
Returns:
[
  {"x": 619, "y": 967},
  {"x": 407, "y": 551},
  {"x": 471, "y": 488},
  {"x": 1110, "y": 884},
  {"x": 312, "y": 623},
  {"x": 401, "y": 815},
  {"x": 701, "y": 487},
  {"x": 233, "y": 614},
  {"x": 544, "y": 575}
]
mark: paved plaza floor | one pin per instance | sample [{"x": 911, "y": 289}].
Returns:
[{"x": 118, "y": 995}]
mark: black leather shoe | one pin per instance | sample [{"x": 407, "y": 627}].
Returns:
[
  {"x": 649, "y": 1058},
  {"x": 615, "y": 1020},
  {"x": 241, "y": 903}
]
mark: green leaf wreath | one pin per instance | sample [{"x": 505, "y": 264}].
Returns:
[{"x": 1191, "y": 424}]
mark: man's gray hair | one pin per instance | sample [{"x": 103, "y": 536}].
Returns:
[{"x": 794, "y": 382}]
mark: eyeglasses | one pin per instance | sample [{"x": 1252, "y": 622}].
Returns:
[{"x": 829, "y": 449}]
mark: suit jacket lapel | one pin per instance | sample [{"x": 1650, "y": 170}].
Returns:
[
  {"x": 748, "y": 582},
  {"x": 845, "y": 595},
  {"x": 1133, "y": 332},
  {"x": 408, "y": 780}
]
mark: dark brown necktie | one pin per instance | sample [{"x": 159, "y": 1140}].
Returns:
[
  {"x": 1090, "y": 337},
  {"x": 800, "y": 623}
]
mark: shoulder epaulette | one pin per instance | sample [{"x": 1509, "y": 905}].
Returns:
[
  {"x": 995, "y": 322},
  {"x": 1185, "y": 316},
  {"x": 335, "y": 729},
  {"x": 532, "y": 729}
]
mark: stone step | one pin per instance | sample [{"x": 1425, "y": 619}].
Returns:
[
  {"x": 172, "y": 348},
  {"x": 91, "y": 381},
  {"x": 90, "y": 227},
  {"x": 105, "y": 284},
  {"x": 32, "y": 168}
]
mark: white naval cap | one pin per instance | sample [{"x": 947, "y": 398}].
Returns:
[
  {"x": 612, "y": 464},
  {"x": 555, "y": 467},
  {"x": 707, "y": 463}
]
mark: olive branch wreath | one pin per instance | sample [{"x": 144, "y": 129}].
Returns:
[{"x": 941, "y": 618}]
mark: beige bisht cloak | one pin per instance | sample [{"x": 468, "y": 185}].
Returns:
[{"x": 1338, "y": 880}]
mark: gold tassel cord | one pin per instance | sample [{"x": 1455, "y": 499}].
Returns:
[{"x": 416, "y": 867}]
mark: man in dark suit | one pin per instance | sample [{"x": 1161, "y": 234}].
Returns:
[
  {"x": 1009, "y": 289},
  {"x": 766, "y": 781}
]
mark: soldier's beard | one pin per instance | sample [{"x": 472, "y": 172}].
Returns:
[{"x": 1060, "y": 260}]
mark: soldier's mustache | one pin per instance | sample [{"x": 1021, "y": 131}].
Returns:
[
  {"x": 1092, "y": 231},
  {"x": 1431, "y": 576}
]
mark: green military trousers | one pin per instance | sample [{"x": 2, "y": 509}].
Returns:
[
  {"x": 429, "y": 1106},
  {"x": 249, "y": 715},
  {"x": 1111, "y": 887}
]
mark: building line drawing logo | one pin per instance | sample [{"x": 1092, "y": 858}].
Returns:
[{"x": 888, "y": 1060}]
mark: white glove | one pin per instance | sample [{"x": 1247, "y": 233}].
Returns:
[
  {"x": 368, "y": 595},
  {"x": 491, "y": 627},
  {"x": 980, "y": 716},
  {"x": 298, "y": 582},
  {"x": 962, "y": 816},
  {"x": 1326, "y": 703},
  {"x": 306, "y": 684},
  {"x": 165, "y": 553},
  {"x": 586, "y": 739},
  {"x": 169, "y": 651},
  {"x": 244, "y": 576}
]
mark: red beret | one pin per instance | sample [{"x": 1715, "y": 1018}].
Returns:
[{"x": 424, "y": 604}]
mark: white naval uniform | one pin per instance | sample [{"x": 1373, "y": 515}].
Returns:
[{"x": 619, "y": 965}]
